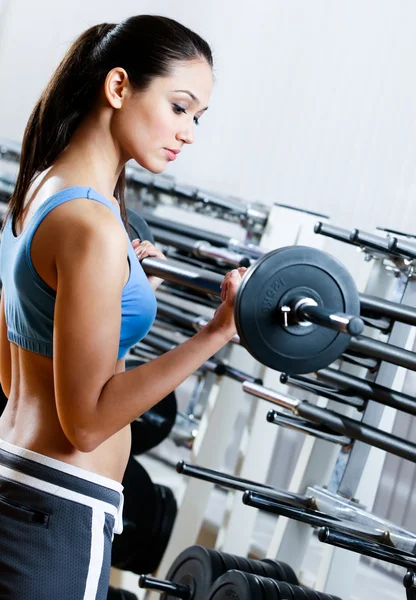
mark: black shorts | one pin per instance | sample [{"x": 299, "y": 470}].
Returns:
[{"x": 57, "y": 523}]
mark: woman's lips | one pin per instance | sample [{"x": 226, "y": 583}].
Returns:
[{"x": 171, "y": 154}]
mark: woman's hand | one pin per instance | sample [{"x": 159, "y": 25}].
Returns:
[
  {"x": 223, "y": 318},
  {"x": 145, "y": 249}
]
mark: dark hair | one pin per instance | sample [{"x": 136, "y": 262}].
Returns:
[{"x": 145, "y": 46}]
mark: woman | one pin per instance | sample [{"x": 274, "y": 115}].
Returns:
[{"x": 132, "y": 90}]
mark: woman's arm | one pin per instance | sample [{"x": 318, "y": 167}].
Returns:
[{"x": 94, "y": 402}]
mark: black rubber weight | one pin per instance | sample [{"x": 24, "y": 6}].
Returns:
[
  {"x": 272, "y": 282},
  {"x": 230, "y": 562},
  {"x": 289, "y": 574},
  {"x": 266, "y": 568},
  {"x": 269, "y": 588},
  {"x": 296, "y": 592},
  {"x": 197, "y": 567},
  {"x": 138, "y": 228},
  {"x": 246, "y": 565},
  {"x": 148, "y": 517},
  {"x": 238, "y": 586}
]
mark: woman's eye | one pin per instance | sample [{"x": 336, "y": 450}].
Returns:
[{"x": 179, "y": 109}]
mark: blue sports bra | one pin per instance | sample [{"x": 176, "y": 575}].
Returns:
[{"x": 29, "y": 302}]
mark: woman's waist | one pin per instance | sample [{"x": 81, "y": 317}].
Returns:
[{"x": 42, "y": 439}]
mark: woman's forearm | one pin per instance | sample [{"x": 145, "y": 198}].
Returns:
[{"x": 128, "y": 395}]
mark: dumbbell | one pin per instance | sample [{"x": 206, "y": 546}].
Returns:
[
  {"x": 246, "y": 586},
  {"x": 197, "y": 568}
]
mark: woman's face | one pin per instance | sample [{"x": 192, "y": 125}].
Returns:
[{"x": 153, "y": 126}]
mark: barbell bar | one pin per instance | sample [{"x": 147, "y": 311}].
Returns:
[
  {"x": 358, "y": 543},
  {"x": 316, "y": 387},
  {"x": 368, "y": 390},
  {"x": 344, "y": 534},
  {"x": 336, "y": 422},
  {"x": 241, "y": 485},
  {"x": 402, "y": 247},
  {"x": 200, "y": 248},
  {"x": 307, "y": 427},
  {"x": 196, "y": 233}
]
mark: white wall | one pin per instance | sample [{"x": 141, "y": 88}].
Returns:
[{"x": 314, "y": 102}]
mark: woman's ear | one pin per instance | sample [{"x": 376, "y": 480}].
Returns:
[{"x": 115, "y": 86}]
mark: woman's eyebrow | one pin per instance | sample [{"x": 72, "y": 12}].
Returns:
[{"x": 194, "y": 98}]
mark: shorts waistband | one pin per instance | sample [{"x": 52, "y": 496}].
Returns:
[{"x": 61, "y": 466}]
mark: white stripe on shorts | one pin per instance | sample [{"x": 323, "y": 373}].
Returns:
[{"x": 96, "y": 556}]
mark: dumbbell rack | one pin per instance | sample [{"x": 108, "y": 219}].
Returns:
[{"x": 396, "y": 368}]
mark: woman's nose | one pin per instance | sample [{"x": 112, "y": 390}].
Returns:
[{"x": 186, "y": 135}]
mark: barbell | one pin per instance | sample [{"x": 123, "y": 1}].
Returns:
[{"x": 296, "y": 307}]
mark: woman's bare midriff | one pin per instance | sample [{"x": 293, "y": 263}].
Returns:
[{"x": 30, "y": 419}]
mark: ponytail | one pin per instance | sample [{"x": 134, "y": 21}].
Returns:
[{"x": 62, "y": 106}]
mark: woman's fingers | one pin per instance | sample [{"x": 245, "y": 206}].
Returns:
[{"x": 146, "y": 248}]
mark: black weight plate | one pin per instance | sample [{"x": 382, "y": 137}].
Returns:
[
  {"x": 230, "y": 562},
  {"x": 245, "y": 565},
  {"x": 288, "y": 574},
  {"x": 139, "y": 513},
  {"x": 323, "y": 596},
  {"x": 258, "y": 567},
  {"x": 269, "y": 588},
  {"x": 197, "y": 567},
  {"x": 301, "y": 592},
  {"x": 298, "y": 592},
  {"x": 285, "y": 590},
  {"x": 274, "y": 569},
  {"x": 312, "y": 594},
  {"x": 257, "y": 589},
  {"x": 277, "y": 595},
  {"x": 138, "y": 228},
  {"x": 267, "y": 282},
  {"x": 166, "y": 509},
  {"x": 236, "y": 585},
  {"x": 148, "y": 517},
  {"x": 225, "y": 565}
]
